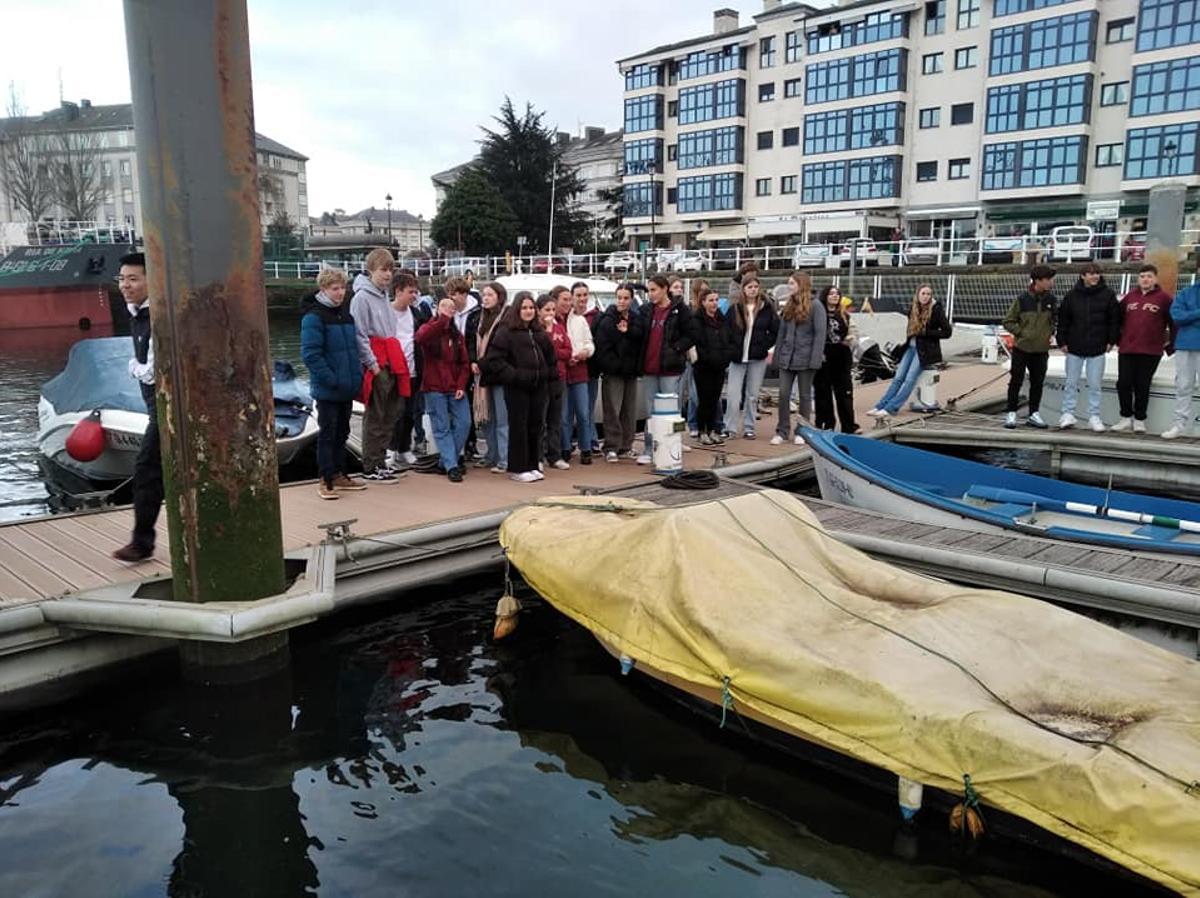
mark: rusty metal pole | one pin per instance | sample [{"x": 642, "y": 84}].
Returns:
[{"x": 189, "y": 66}]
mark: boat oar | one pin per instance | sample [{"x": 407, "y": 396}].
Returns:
[{"x": 1016, "y": 497}]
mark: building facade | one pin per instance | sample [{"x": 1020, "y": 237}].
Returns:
[
  {"x": 107, "y": 131},
  {"x": 406, "y": 233},
  {"x": 948, "y": 118}
]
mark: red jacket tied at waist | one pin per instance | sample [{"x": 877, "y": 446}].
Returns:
[
  {"x": 389, "y": 354},
  {"x": 445, "y": 366}
]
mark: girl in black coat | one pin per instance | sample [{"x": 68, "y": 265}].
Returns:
[
  {"x": 520, "y": 356},
  {"x": 715, "y": 349},
  {"x": 620, "y": 336},
  {"x": 755, "y": 325}
]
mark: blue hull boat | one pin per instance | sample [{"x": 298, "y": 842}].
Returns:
[{"x": 951, "y": 492}]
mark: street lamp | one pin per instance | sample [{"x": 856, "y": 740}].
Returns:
[
  {"x": 420, "y": 232},
  {"x": 389, "y": 207},
  {"x": 1170, "y": 148}
]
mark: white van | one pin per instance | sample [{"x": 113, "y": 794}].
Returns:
[{"x": 1071, "y": 243}]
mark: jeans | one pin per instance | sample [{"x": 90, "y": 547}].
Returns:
[
  {"x": 652, "y": 384},
  {"x": 1035, "y": 364},
  {"x": 1092, "y": 367},
  {"x": 741, "y": 397},
  {"x": 593, "y": 392},
  {"x": 333, "y": 427},
  {"x": 577, "y": 412},
  {"x": 1187, "y": 372},
  {"x": 451, "y": 419},
  {"x": 496, "y": 431},
  {"x": 803, "y": 379},
  {"x": 908, "y": 372},
  {"x": 693, "y": 398}
]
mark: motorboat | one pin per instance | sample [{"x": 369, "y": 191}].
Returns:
[
  {"x": 96, "y": 382},
  {"x": 930, "y": 488}
]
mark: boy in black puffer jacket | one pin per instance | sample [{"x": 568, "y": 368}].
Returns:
[{"x": 1089, "y": 325}]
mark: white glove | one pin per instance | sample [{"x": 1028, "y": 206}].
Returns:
[{"x": 692, "y": 355}]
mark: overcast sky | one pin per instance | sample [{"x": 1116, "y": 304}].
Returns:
[{"x": 380, "y": 94}]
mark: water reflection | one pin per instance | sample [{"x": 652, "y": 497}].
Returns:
[{"x": 409, "y": 755}]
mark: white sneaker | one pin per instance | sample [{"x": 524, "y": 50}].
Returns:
[
  {"x": 409, "y": 458},
  {"x": 538, "y": 475},
  {"x": 610, "y": 456},
  {"x": 694, "y": 434},
  {"x": 393, "y": 461},
  {"x": 541, "y": 466},
  {"x": 1172, "y": 433},
  {"x": 1096, "y": 424},
  {"x": 562, "y": 465},
  {"x": 523, "y": 477},
  {"x": 776, "y": 440},
  {"x": 799, "y": 440},
  {"x": 1122, "y": 425},
  {"x": 1139, "y": 426},
  {"x": 1067, "y": 421},
  {"x": 877, "y": 413},
  {"x": 1035, "y": 420},
  {"x": 1010, "y": 420},
  {"x": 496, "y": 469},
  {"x": 644, "y": 460}
]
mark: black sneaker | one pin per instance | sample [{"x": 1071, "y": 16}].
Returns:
[
  {"x": 455, "y": 475},
  {"x": 585, "y": 458},
  {"x": 380, "y": 473},
  {"x": 133, "y": 553}
]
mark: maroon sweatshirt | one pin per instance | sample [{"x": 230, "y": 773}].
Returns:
[{"x": 1145, "y": 322}]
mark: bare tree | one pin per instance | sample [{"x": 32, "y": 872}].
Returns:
[
  {"x": 78, "y": 186},
  {"x": 23, "y": 161}
]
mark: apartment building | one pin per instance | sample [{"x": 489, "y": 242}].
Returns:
[
  {"x": 109, "y": 130},
  {"x": 951, "y": 118}
]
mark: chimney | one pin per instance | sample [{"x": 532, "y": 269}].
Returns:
[
  {"x": 71, "y": 110},
  {"x": 725, "y": 20},
  {"x": 85, "y": 103},
  {"x": 562, "y": 138},
  {"x": 771, "y": 5},
  {"x": 590, "y": 133}
]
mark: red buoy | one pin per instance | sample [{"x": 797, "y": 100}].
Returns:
[{"x": 85, "y": 442}]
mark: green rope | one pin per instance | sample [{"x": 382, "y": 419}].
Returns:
[
  {"x": 970, "y": 796},
  {"x": 726, "y": 700}
]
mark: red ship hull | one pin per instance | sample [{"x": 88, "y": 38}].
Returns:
[{"x": 78, "y": 307}]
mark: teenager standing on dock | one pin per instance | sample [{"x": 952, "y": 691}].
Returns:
[
  {"x": 556, "y": 388},
  {"x": 668, "y": 325},
  {"x": 147, "y": 469},
  {"x": 386, "y": 372},
  {"x": 489, "y": 395},
  {"x": 834, "y": 383},
  {"x": 1030, "y": 320},
  {"x": 446, "y": 368},
  {"x": 329, "y": 348},
  {"x": 1088, "y": 327},
  {"x": 620, "y": 336},
  {"x": 928, "y": 326},
  {"x": 577, "y": 413},
  {"x": 1145, "y": 315},
  {"x": 410, "y": 315},
  {"x": 1185, "y": 313},
  {"x": 799, "y": 354},
  {"x": 520, "y": 357},
  {"x": 466, "y": 319},
  {"x": 755, "y": 325},
  {"x": 715, "y": 349}
]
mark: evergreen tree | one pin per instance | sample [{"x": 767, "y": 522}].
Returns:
[
  {"x": 521, "y": 158},
  {"x": 474, "y": 217}
]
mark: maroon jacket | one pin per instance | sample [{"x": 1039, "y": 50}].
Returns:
[
  {"x": 1145, "y": 322},
  {"x": 445, "y": 366}
]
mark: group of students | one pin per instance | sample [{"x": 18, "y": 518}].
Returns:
[
  {"x": 527, "y": 373},
  {"x": 1143, "y": 325}
]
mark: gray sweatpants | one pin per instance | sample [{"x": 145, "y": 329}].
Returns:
[
  {"x": 1187, "y": 373},
  {"x": 803, "y": 379}
]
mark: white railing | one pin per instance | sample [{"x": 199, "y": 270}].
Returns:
[
  {"x": 67, "y": 231},
  {"x": 1127, "y": 247}
]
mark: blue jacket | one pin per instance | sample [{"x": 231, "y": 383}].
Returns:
[
  {"x": 1185, "y": 312},
  {"x": 329, "y": 347}
]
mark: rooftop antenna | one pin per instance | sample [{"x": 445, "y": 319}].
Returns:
[{"x": 61, "y": 97}]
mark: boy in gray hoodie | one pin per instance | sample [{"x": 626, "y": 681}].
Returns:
[{"x": 374, "y": 319}]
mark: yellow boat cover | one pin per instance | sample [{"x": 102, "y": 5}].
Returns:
[{"x": 1088, "y": 733}]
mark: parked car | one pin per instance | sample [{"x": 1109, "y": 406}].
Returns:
[
  {"x": 810, "y": 254},
  {"x": 477, "y": 265},
  {"x": 1071, "y": 243},
  {"x": 550, "y": 264},
  {"x": 1001, "y": 250},
  {"x": 1134, "y": 248},
  {"x": 867, "y": 253},
  {"x": 623, "y": 261},
  {"x": 921, "y": 251},
  {"x": 690, "y": 260}
]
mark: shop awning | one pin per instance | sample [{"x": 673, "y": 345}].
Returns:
[
  {"x": 776, "y": 228},
  {"x": 945, "y": 212},
  {"x": 723, "y": 232}
]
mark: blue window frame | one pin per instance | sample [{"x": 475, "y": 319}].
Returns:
[
  {"x": 705, "y": 102},
  {"x": 857, "y": 76},
  {"x": 1046, "y": 162},
  {"x": 1172, "y": 86},
  {"x": 643, "y": 113},
  {"x": 641, "y": 76},
  {"x": 640, "y": 198},
  {"x": 1011, "y": 7},
  {"x": 880, "y": 26},
  {"x": 875, "y": 177},
  {"x": 710, "y": 62},
  {"x": 709, "y": 193},
  {"x": 1039, "y": 104},
  {"x": 859, "y": 128},
  {"x": 642, "y": 156},
  {"x": 716, "y": 146},
  {"x": 1046, "y": 42},
  {"x": 1167, "y": 23},
  {"x": 1165, "y": 151}
]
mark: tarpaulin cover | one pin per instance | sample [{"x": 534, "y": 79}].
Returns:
[
  {"x": 96, "y": 376},
  {"x": 1087, "y": 732}
]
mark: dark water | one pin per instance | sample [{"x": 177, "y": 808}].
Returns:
[
  {"x": 407, "y": 755},
  {"x": 28, "y": 358}
]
